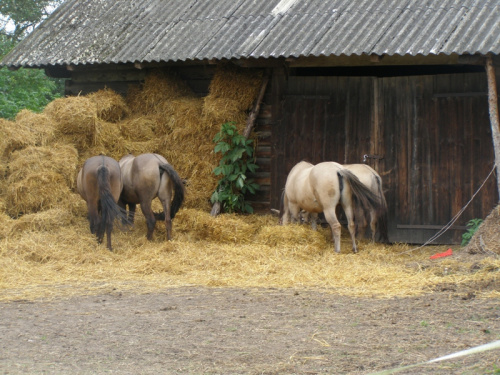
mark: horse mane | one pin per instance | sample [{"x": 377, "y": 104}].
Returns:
[{"x": 178, "y": 188}]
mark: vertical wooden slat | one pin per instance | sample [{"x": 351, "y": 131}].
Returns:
[{"x": 494, "y": 117}]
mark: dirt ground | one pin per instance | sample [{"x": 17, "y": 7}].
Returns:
[{"x": 194, "y": 330}]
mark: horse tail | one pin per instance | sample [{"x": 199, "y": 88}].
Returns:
[
  {"x": 362, "y": 195},
  {"x": 178, "y": 188},
  {"x": 109, "y": 208},
  {"x": 382, "y": 212},
  {"x": 282, "y": 205}
]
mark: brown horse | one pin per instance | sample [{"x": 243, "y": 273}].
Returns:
[
  {"x": 320, "y": 188},
  {"x": 99, "y": 183},
  {"x": 378, "y": 218},
  {"x": 146, "y": 177}
]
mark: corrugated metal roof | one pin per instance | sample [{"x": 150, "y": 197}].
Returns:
[{"x": 110, "y": 31}]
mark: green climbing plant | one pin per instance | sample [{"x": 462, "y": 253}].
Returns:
[
  {"x": 236, "y": 163},
  {"x": 472, "y": 227}
]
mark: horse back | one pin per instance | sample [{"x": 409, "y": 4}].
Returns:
[{"x": 367, "y": 175}]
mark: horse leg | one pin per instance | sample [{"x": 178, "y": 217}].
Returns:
[
  {"x": 310, "y": 217},
  {"x": 332, "y": 220},
  {"x": 314, "y": 220},
  {"x": 285, "y": 217},
  {"x": 93, "y": 216},
  {"x": 150, "y": 218},
  {"x": 373, "y": 224},
  {"x": 131, "y": 213},
  {"x": 168, "y": 220},
  {"x": 294, "y": 213},
  {"x": 351, "y": 226}
]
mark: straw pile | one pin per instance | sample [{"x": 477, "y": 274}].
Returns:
[
  {"x": 486, "y": 240},
  {"x": 47, "y": 250}
]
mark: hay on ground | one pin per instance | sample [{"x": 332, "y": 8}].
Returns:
[{"x": 50, "y": 220}]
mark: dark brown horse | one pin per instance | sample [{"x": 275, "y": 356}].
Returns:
[
  {"x": 99, "y": 183},
  {"x": 320, "y": 188},
  {"x": 146, "y": 177}
]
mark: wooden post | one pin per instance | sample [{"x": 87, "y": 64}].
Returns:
[
  {"x": 216, "y": 208},
  {"x": 493, "y": 109},
  {"x": 256, "y": 108}
]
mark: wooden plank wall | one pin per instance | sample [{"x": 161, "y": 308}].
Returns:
[{"x": 432, "y": 131}]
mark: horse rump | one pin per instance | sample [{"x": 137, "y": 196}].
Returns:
[
  {"x": 179, "y": 191},
  {"x": 99, "y": 184}
]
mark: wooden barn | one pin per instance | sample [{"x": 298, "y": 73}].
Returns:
[{"x": 397, "y": 84}]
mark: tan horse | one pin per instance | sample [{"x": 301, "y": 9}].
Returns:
[
  {"x": 99, "y": 183},
  {"x": 146, "y": 177},
  {"x": 320, "y": 188},
  {"x": 378, "y": 218}
]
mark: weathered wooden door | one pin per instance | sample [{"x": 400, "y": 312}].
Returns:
[{"x": 432, "y": 133}]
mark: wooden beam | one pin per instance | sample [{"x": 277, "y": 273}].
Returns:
[
  {"x": 256, "y": 108},
  {"x": 494, "y": 119}
]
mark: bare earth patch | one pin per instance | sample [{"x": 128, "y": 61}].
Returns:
[{"x": 194, "y": 330}]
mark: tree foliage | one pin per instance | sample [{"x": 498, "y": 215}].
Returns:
[
  {"x": 24, "y": 88},
  {"x": 23, "y": 15}
]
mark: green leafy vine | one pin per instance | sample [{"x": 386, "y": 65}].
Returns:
[{"x": 236, "y": 162}]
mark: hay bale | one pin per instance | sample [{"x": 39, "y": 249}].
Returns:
[
  {"x": 58, "y": 158},
  {"x": 111, "y": 106},
  {"x": 486, "y": 240},
  {"x": 36, "y": 192},
  {"x": 159, "y": 87},
  {"x": 179, "y": 113},
  {"x": 138, "y": 128},
  {"x": 42, "y": 126},
  {"x": 217, "y": 111},
  {"x": 76, "y": 119},
  {"x": 14, "y": 138},
  {"x": 240, "y": 84},
  {"x": 109, "y": 138}
]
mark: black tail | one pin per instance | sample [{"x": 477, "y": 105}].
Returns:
[
  {"x": 362, "y": 196},
  {"x": 282, "y": 205},
  {"x": 109, "y": 208},
  {"x": 382, "y": 213},
  {"x": 178, "y": 188}
]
